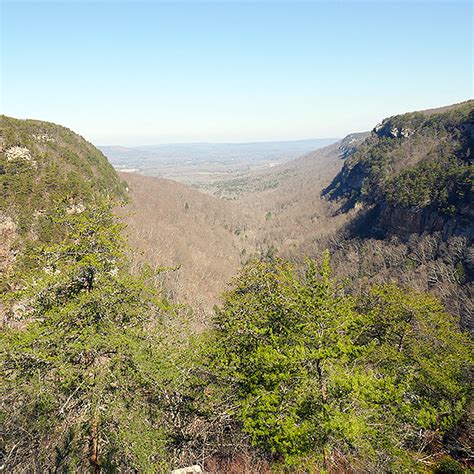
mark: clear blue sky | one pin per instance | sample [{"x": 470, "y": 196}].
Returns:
[{"x": 156, "y": 72}]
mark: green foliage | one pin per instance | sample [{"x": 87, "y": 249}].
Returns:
[
  {"x": 444, "y": 185},
  {"x": 312, "y": 372},
  {"x": 447, "y": 465},
  {"x": 276, "y": 345},
  {"x": 428, "y": 167},
  {"x": 410, "y": 336},
  {"x": 84, "y": 358},
  {"x": 100, "y": 375},
  {"x": 60, "y": 166}
]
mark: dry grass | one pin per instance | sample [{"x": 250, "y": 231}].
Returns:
[{"x": 239, "y": 464}]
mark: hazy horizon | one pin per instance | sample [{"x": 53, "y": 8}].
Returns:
[{"x": 204, "y": 142}]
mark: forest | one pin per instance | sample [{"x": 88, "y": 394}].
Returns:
[{"x": 331, "y": 347}]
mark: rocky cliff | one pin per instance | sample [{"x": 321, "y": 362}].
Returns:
[{"x": 412, "y": 182}]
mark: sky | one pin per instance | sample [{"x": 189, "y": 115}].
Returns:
[{"x": 149, "y": 72}]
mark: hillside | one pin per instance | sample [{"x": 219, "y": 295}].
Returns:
[
  {"x": 42, "y": 162},
  {"x": 319, "y": 162},
  {"x": 205, "y": 238},
  {"x": 411, "y": 186},
  {"x": 332, "y": 361},
  {"x": 393, "y": 204},
  {"x": 420, "y": 159},
  {"x": 296, "y": 214},
  {"x": 43, "y": 165}
]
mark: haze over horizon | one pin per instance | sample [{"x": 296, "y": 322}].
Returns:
[
  {"x": 146, "y": 146},
  {"x": 143, "y": 73}
]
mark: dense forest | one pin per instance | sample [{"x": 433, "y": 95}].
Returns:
[{"x": 337, "y": 352}]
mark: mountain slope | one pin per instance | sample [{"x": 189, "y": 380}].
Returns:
[
  {"x": 171, "y": 224},
  {"x": 288, "y": 198},
  {"x": 411, "y": 185},
  {"x": 41, "y": 163},
  {"x": 413, "y": 160}
]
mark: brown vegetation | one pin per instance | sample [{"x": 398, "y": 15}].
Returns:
[
  {"x": 281, "y": 210},
  {"x": 204, "y": 238},
  {"x": 207, "y": 238}
]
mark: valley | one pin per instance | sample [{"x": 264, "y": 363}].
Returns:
[
  {"x": 236, "y": 237},
  {"x": 348, "y": 269},
  {"x": 297, "y": 209},
  {"x": 209, "y": 237},
  {"x": 209, "y": 166}
]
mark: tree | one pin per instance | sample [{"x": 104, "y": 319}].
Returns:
[
  {"x": 84, "y": 362},
  {"x": 314, "y": 372},
  {"x": 413, "y": 342},
  {"x": 280, "y": 341}
]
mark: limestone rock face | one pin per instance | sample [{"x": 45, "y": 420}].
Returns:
[
  {"x": 403, "y": 222},
  {"x": 388, "y": 130},
  {"x": 18, "y": 153},
  {"x": 350, "y": 143},
  {"x": 43, "y": 137}
]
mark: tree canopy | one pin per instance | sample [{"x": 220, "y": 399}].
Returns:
[
  {"x": 315, "y": 372},
  {"x": 84, "y": 357}
]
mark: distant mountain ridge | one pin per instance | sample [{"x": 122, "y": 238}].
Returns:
[{"x": 119, "y": 154}]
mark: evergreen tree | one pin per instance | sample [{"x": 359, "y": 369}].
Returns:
[
  {"x": 83, "y": 357},
  {"x": 313, "y": 372}
]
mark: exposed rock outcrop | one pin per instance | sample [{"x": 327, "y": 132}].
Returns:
[
  {"x": 351, "y": 142},
  {"x": 404, "y": 222},
  {"x": 43, "y": 137},
  {"x": 389, "y": 130},
  {"x": 19, "y": 153}
]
